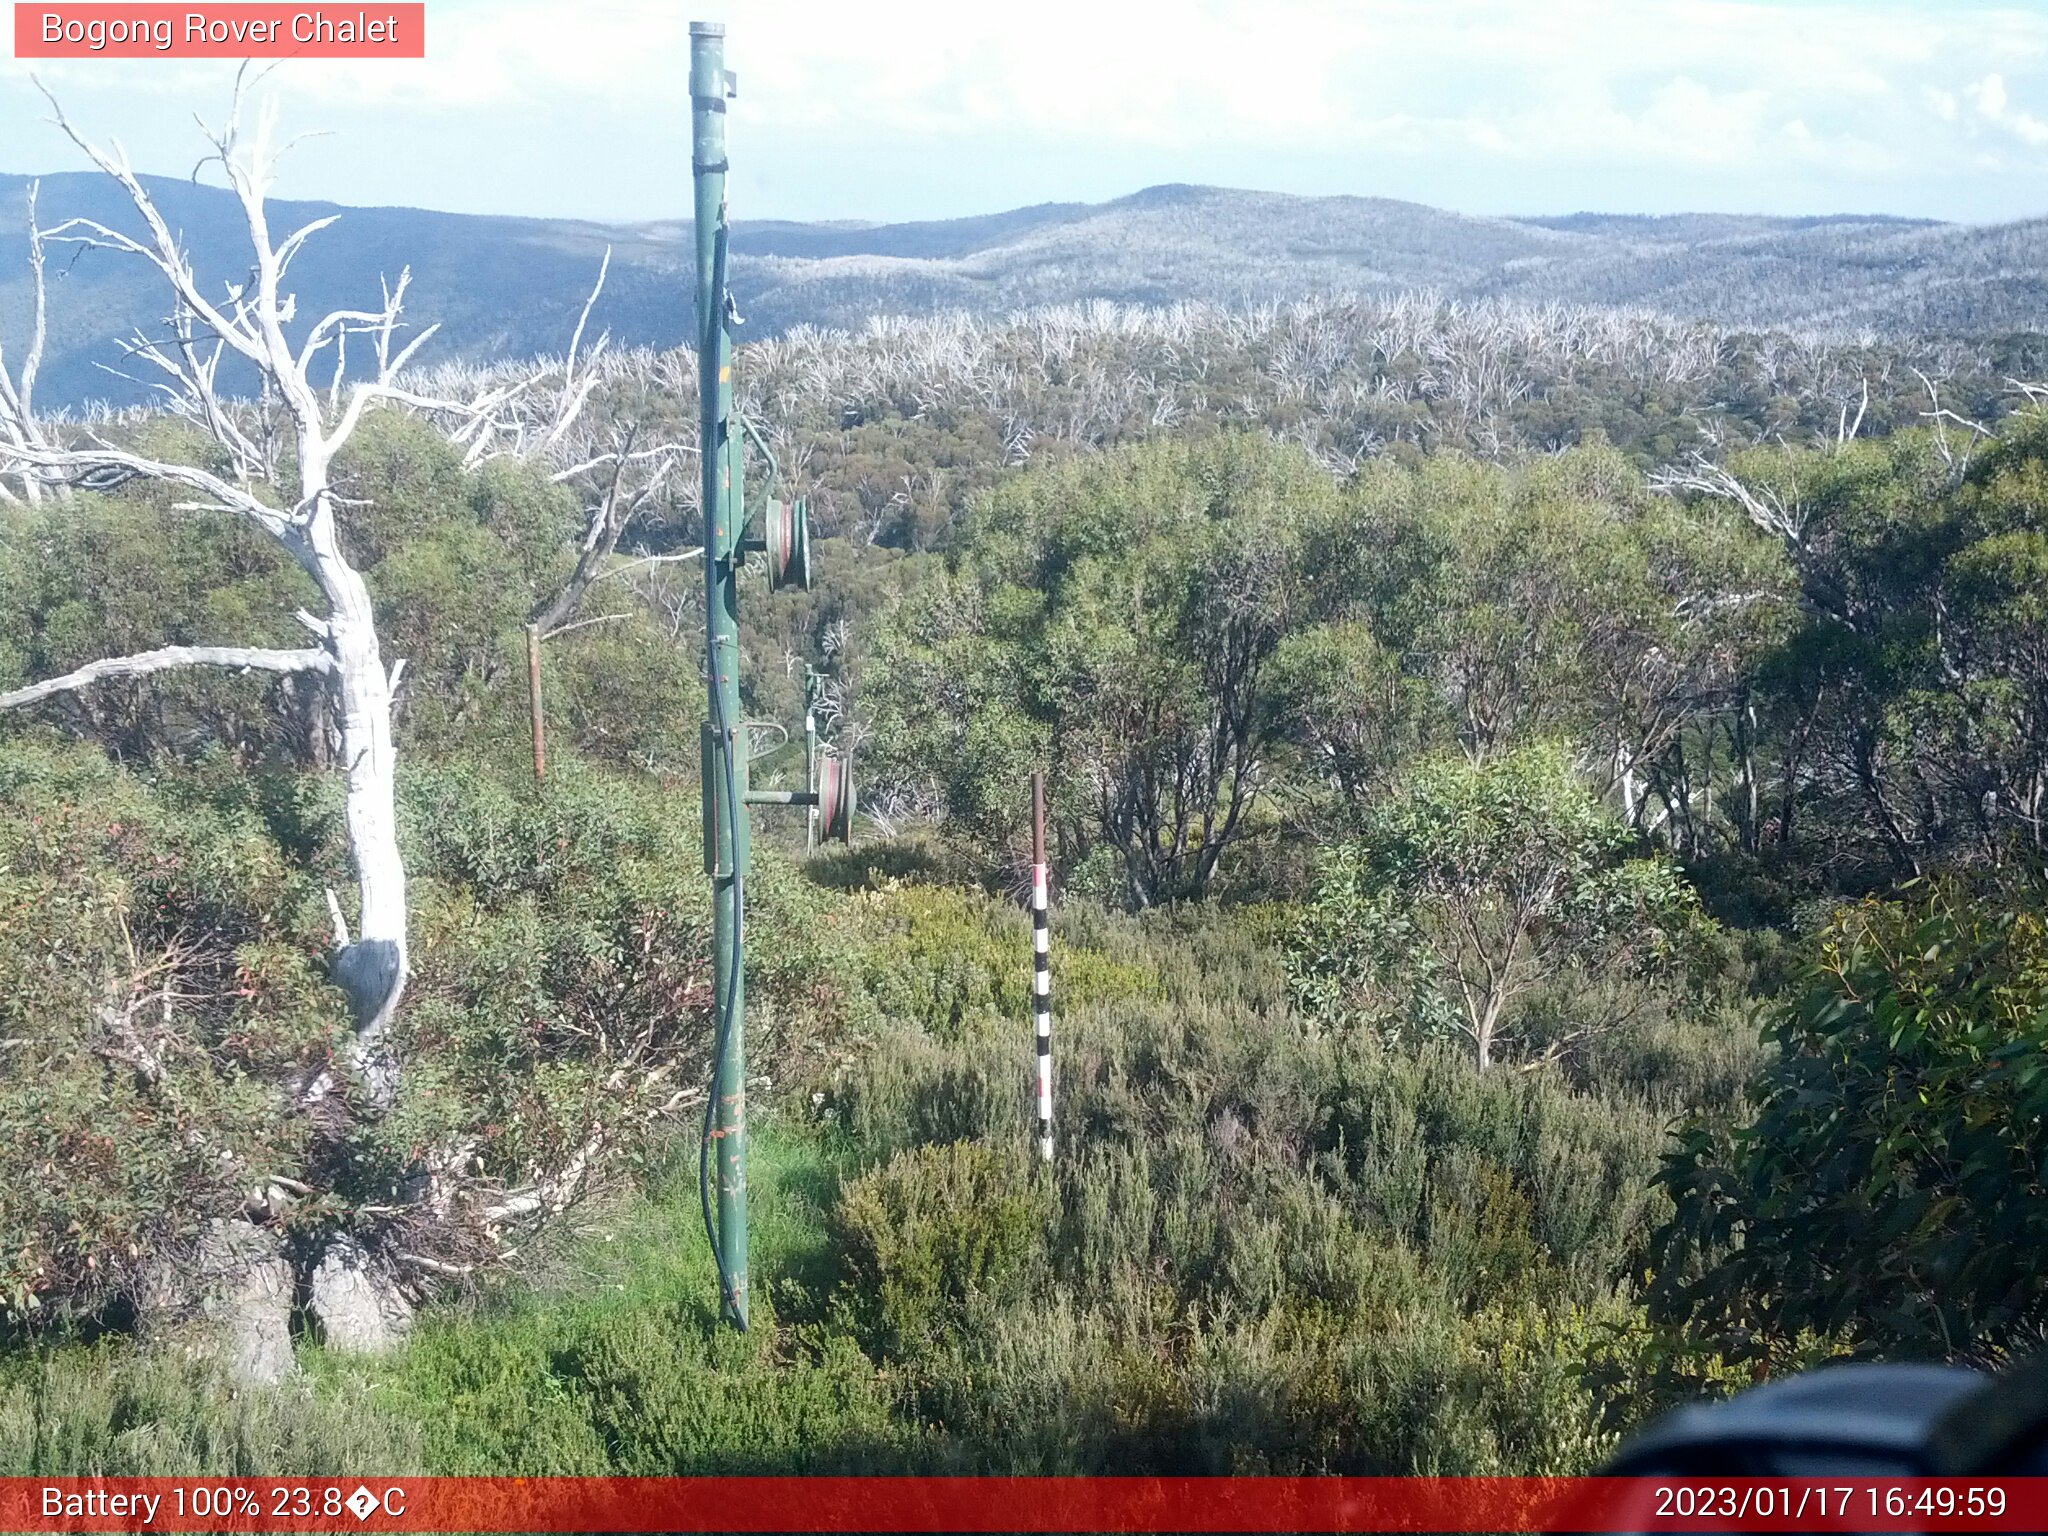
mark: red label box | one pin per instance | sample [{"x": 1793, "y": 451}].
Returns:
[
  {"x": 374, "y": 30},
  {"x": 383, "y": 1506}
]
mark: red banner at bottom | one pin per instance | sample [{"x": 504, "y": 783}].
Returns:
[{"x": 1022, "y": 1504}]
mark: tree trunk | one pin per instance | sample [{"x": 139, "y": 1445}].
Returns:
[
  {"x": 371, "y": 969},
  {"x": 357, "y": 1301},
  {"x": 1484, "y": 1023},
  {"x": 227, "y": 1296}
]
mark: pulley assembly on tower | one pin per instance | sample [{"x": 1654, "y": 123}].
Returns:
[{"x": 779, "y": 531}]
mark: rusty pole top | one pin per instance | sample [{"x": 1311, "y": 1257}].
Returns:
[{"x": 1038, "y": 818}]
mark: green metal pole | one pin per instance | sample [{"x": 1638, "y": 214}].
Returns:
[
  {"x": 811, "y": 755},
  {"x": 725, "y": 773}
]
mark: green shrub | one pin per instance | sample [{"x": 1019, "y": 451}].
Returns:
[
  {"x": 671, "y": 1395},
  {"x": 491, "y": 1404},
  {"x": 1490, "y": 1175},
  {"x": 106, "y": 1411},
  {"x": 908, "y": 1090},
  {"x": 1475, "y": 889},
  {"x": 160, "y": 984},
  {"x": 959, "y": 965},
  {"x": 934, "y": 1237},
  {"x": 1887, "y": 1186},
  {"x": 562, "y": 956}
]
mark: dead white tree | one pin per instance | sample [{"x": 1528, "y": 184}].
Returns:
[
  {"x": 248, "y": 320},
  {"x": 17, "y": 394},
  {"x": 1955, "y": 460},
  {"x": 290, "y": 497},
  {"x": 1783, "y": 515}
]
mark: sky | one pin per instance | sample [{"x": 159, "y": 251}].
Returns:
[{"x": 905, "y": 109}]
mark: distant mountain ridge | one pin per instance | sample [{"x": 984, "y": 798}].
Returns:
[{"x": 504, "y": 286}]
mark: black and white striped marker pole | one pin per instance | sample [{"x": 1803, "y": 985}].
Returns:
[{"x": 1041, "y": 962}]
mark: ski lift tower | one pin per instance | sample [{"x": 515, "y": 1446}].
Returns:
[{"x": 784, "y": 542}]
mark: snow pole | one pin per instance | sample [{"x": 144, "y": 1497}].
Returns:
[{"x": 1041, "y": 963}]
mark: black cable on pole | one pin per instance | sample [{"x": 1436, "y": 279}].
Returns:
[
  {"x": 723, "y": 1037},
  {"x": 734, "y": 809}
]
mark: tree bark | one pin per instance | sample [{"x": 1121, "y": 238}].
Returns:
[
  {"x": 357, "y": 1301},
  {"x": 225, "y": 1296},
  {"x": 371, "y": 969}
]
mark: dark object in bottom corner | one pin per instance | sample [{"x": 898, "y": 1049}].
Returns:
[{"x": 1858, "y": 1421}]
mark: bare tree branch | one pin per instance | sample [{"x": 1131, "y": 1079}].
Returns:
[
  {"x": 17, "y": 398},
  {"x": 101, "y": 468},
  {"x": 1765, "y": 507},
  {"x": 613, "y": 512},
  {"x": 601, "y": 618},
  {"x": 240, "y": 658}
]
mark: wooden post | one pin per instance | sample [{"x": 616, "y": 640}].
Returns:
[
  {"x": 1041, "y": 956},
  {"x": 540, "y": 732}
]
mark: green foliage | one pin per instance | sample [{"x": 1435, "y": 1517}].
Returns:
[
  {"x": 1504, "y": 1183},
  {"x": 455, "y": 560},
  {"x": 1469, "y": 734},
  {"x": 1353, "y": 712},
  {"x": 615, "y": 1360},
  {"x": 1261, "y": 1249},
  {"x": 163, "y": 947},
  {"x": 158, "y": 952},
  {"x": 1268, "y": 1251},
  {"x": 108, "y": 1411},
  {"x": 934, "y": 1239},
  {"x": 562, "y": 957},
  {"x": 1555, "y": 598},
  {"x": 105, "y": 576},
  {"x": 947, "y": 962},
  {"x": 1886, "y": 1188},
  {"x": 1114, "y": 618},
  {"x": 1905, "y": 706},
  {"x": 1474, "y": 884}
]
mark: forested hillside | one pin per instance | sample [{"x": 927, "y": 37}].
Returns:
[
  {"x": 1547, "y": 836},
  {"x": 509, "y": 288}
]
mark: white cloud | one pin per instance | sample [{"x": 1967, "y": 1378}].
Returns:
[
  {"x": 1988, "y": 96},
  {"x": 1860, "y": 94},
  {"x": 1277, "y": 71},
  {"x": 1994, "y": 105},
  {"x": 1704, "y": 81}
]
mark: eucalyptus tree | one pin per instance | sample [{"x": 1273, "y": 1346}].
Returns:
[
  {"x": 1473, "y": 885},
  {"x": 1906, "y": 700},
  {"x": 1118, "y": 618},
  {"x": 1560, "y": 599},
  {"x": 276, "y": 397}
]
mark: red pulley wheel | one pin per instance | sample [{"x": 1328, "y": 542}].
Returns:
[
  {"x": 788, "y": 539},
  {"x": 835, "y": 797}
]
